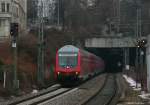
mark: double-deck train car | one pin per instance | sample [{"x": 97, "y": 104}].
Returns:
[{"x": 73, "y": 63}]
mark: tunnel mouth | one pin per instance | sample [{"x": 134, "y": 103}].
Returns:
[{"x": 113, "y": 58}]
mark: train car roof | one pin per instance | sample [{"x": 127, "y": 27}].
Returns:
[{"x": 68, "y": 48}]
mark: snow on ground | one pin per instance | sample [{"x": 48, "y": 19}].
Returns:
[
  {"x": 34, "y": 91},
  {"x": 137, "y": 87},
  {"x": 145, "y": 96},
  {"x": 132, "y": 83}
]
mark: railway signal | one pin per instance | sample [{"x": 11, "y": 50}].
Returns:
[
  {"x": 141, "y": 43},
  {"x": 14, "y": 32},
  {"x": 14, "y": 29}
]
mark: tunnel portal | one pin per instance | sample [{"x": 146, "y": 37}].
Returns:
[{"x": 113, "y": 57}]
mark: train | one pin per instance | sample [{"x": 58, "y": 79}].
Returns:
[{"x": 75, "y": 64}]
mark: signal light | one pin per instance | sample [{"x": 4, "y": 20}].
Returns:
[
  {"x": 144, "y": 41},
  {"x": 141, "y": 43},
  {"x": 14, "y": 27}
]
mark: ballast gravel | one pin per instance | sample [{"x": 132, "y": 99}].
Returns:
[{"x": 81, "y": 94}]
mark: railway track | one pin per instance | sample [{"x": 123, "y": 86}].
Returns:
[
  {"x": 97, "y": 88},
  {"x": 106, "y": 94},
  {"x": 42, "y": 98},
  {"x": 33, "y": 99}
]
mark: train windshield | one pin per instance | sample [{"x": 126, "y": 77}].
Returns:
[{"x": 68, "y": 60}]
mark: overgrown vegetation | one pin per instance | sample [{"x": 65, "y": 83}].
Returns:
[{"x": 27, "y": 56}]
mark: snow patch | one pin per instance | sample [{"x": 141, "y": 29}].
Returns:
[
  {"x": 132, "y": 83},
  {"x": 145, "y": 96},
  {"x": 56, "y": 85},
  {"x": 137, "y": 87},
  {"x": 34, "y": 91}
]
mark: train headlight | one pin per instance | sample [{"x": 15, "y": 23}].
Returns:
[
  {"x": 58, "y": 73},
  {"x": 77, "y": 73}
]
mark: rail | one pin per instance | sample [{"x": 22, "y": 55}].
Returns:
[
  {"x": 106, "y": 94},
  {"x": 31, "y": 96}
]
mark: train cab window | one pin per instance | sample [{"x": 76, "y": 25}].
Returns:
[{"x": 68, "y": 60}]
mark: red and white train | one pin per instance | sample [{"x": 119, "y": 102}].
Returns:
[{"x": 73, "y": 63}]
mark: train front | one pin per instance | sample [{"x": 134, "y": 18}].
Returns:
[{"x": 67, "y": 64}]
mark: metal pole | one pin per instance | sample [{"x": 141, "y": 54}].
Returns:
[
  {"x": 14, "y": 46},
  {"x": 4, "y": 84},
  {"x": 140, "y": 23},
  {"x": 136, "y": 66},
  {"x": 58, "y": 19},
  {"x": 126, "y": 57},
  {"x": 39, "y": 47},
  {"x": 148, "y": 62},
  {"x": 42, "y": 45},
  {"x": 140, "y": 50},
  {"x": 137, "y": 49},
  {"x": 39, "y": 52},
  {"x": 118, "y": 25},
  {"x": 137, "y": 24},
  {"x": 40, "y": 75},
  {"x": 142, "y": 70},
  {"x": 15, "y": 64}
]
